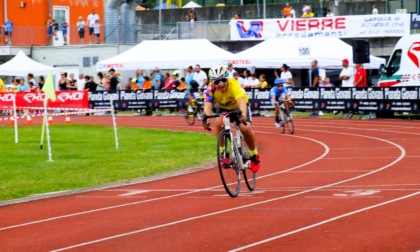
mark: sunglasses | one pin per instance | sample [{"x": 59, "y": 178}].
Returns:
[{"x": 220, "y": 81}]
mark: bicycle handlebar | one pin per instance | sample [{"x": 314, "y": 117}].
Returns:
[{"x": 238, "y": 114}]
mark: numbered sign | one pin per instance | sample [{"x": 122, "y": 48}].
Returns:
[{"x": 304, "y": 50}]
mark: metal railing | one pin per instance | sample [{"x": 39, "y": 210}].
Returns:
[{"x": 211, "y": 30}]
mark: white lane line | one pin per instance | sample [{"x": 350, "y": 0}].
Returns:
[
  {"x": 326, "y": 151},
  {"x": 402, "y": 154},
  {"x": 325, "y": 222},
  {"x": 133, "y": 192}
]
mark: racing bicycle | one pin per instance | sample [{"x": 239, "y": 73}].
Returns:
[
  {"x": 286, "y": 120},
  {"x": 197, "y": 109},
  {"x": 233, "y": 154}
]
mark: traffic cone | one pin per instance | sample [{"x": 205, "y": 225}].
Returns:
[
  {"x": 28, "y": 119},
  {"x": 12, "y": 119},
  {"x": 50, "y": 120},
  {"x": 68, "y": 119}
]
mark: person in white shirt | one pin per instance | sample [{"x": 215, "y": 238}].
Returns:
[
  {"x": 81, "y": 82},
  {"x": 200, "y": 76},
  {"x": 374, "y": 10},
  {"x": 230, "y": 70},
  {"x": 292, "y": 12},
  {"x": 286, "y": 76},
  {"x": 91, "y": 19},
  {"x": 305, "y": 8},
  {"x": 347, "y": 75},
  {"x": 329, "y": 13}
]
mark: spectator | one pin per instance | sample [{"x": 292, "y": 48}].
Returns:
[
  {"x": 64, "y": 26},
  {"x": 2, "y": 86},
  {"x": 169, "y": 83},
  {"x": 91, "y": 19},
  {"x": 158, "y": 79},
  {"x": 246, "y": 78},
  {"x": 263, "y": 82},
  {"x": 314, "y": 74},
  {"x": 41, "y": 81},
  {"x": 314, "y": 81},
  {"x": 286, "y": 76},
  {"x": 329, "y": 13},
  {"x": 90, "y": 84},
  {"x": 292, "y": 12},
  {"x": 8, "y": 30},
  {"x": 190, "y": 76},
  {"x": 139, "y": 78},
  {"x": 253, "y": 82},
  {"x": 63, "y": 82},
  {"x": 305, "y": 8},
  {"x": 113, "y": 82},
  {"x": 97, "y": 31},
  {"x": 49, "y": 31},
  {"x": 81, "y": 82},
  {"x": 374, "y": 10},
  {"x": 200, "y": 76},
  {"x": 134, "y": 85},
  {"x": 236, "y": 16},
  {"x": 175, "y": 76},
  {"x": 308, "y": 14},
  {"x": 347, "y": 75},
  {"x": 103, "y": 82},
  {"x": 72, "y": 82},
  {"x": 230, "y": 70},
  {"x": 147, "y": 84},
  {"x": 287, "y": 11},
  {"x": 182, "y": 85},
  {"x": 360, "y": 78},
  {"x": 32, "y": 85},
  {"x": 326, "y": 83},
  {"x": 21, "y": 86},
  {"x": 81, "y": 29},
  {"x": 55, "y": 27}
]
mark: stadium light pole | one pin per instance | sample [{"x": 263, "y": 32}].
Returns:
[
  {"x": 160, "y": 19},
  {"x": 264, "y": 9}
]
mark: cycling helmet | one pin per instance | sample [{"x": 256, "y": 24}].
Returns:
[
  {"x": 218, "y": 72},
  {"x": 278, "y": 81}
]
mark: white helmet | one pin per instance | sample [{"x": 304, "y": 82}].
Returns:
[{"x": 218, "y": 72}]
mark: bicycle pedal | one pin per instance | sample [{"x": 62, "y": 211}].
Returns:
[{"x": 247, "y": 164}]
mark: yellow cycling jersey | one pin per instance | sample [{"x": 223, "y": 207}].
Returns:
[{"x": 226, "y": 99}]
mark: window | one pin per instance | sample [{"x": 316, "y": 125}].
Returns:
[{"x": 394, "y": 63}]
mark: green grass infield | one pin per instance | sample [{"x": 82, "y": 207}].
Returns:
[{"x": 86, "y": 155}]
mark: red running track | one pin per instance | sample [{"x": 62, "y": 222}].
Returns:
[{"x": 336, "y": 185}]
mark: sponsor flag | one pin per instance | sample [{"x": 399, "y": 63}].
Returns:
[{"x": 48, "y": 88}]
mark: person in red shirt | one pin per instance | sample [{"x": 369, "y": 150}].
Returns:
[{"x": 360, "y": 78}]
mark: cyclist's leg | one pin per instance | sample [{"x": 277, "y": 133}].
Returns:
[{"x": 249, "y": 138}]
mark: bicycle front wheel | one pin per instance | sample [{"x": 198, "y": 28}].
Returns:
[
  {"x": 290, "y": 127},
  {"x": 228, "y": 161},
  {"x": 249, "y": 175},
  {"x": 189, "y": 118}
]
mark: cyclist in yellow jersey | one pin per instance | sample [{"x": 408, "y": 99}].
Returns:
[{"x": 228, "y": 95}]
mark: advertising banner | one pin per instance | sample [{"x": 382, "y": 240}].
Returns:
[
  {"x": 360, "y": 26},
  {"x": 65, "y": 99}
]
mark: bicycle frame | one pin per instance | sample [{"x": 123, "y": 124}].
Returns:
[{"x": 238, "y": 136}]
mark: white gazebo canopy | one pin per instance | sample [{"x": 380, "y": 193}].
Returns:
[
  {"x": 191, "y": 4},
  {"x": 22, "y": 65}
]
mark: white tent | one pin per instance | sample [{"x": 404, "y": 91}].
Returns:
[
  {"x": 299, "y": 52},
  {"x": 167, "y": 54},
  {"x": 22, "y": 65},
  {"x": 191, "y": 4}
]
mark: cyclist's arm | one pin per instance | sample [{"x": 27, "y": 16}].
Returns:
[{"x": 243, "y": 107}]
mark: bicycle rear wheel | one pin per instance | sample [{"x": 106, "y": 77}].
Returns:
[
  {"x": 189, "y": 118},
  {"x": 227, "y": 159}
]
